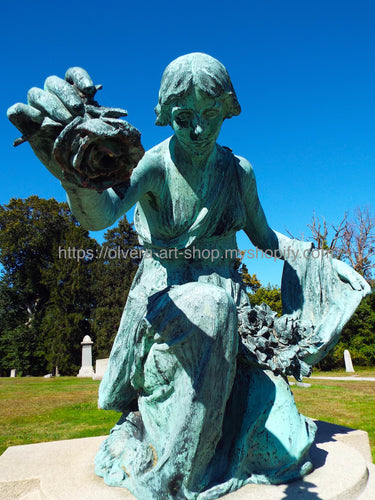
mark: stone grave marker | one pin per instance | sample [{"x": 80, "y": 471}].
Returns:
[
  {"x": 86, "y": 369},
  {"x": 348, "y": 362}
]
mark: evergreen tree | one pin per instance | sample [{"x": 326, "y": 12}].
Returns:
[
  {"x": 116, "y": 264},
  {"x": 259, "y": 294},
  {"x": 68, "y": 314},
  {"x": 270, "y": 295},
  {"x": 250, "y": 280},
  {"x": 358, "y": 336}
]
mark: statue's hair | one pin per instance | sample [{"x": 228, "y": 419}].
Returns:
[{"x": 195, "y": 70}]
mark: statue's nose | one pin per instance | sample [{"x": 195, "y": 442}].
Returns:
[{"x": 197, "y": 131}]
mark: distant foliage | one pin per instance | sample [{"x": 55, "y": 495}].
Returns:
[
  {"x": 358, "y": 337},
  {"x": 49, "y": 298},
  {"x": 270, "y": 295},
  {"x": 251, "y": 281},
  {"x": 353, "y": 241},
  {"x": 114, "y": 271},
  {"x": 43, "y": 297},
  {"x": 259, "y": 294}
]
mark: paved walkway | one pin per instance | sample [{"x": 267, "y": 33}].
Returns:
[{"x": 351, "y": 379}]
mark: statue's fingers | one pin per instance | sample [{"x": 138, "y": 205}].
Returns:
[
  {"x": 49, "y": 104},
  {"x": 26, "y": 118},
  {"x": 67, "y": 94},
  {"x": 348, "y": 275},
  {"x": 82, "y": 81}
]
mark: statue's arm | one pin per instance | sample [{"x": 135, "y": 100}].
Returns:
[
  {"x": 86, "y": 146},
  {"x": 96, "y": 211},
  {"x": 257, "y": 228}
]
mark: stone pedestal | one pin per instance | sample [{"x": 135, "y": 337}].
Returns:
[
  {"x": 86, "y": 369},
  {"x": 64, "y": 470}
]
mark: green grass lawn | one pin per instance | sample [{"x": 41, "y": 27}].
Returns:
[
  {"x": 351, "y": 404},
  {"x": 33, "y": 410},
  {"x": 361, "y": 371}
]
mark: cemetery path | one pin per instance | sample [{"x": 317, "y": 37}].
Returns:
[{"x": 353, "y": 378}]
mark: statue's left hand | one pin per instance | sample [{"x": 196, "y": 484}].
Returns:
[
  {"x": 349, "y": 275},
  {"x": 75, "y": 138},
  {"x": 48, "y": 111}
]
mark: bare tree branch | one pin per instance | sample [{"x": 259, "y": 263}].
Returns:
[
  {"x": 357, "y": 242},
  {"x": 352, "y": 240}
]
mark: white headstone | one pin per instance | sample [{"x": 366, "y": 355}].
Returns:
[
  {"x": 86, "y": 369},
  {"x": 348, "y": 362},
  {"x": 100, "y": 368},
  {"x": 13, "y": 372}
]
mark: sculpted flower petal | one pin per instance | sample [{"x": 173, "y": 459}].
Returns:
[{"x": 98, "y": 153}]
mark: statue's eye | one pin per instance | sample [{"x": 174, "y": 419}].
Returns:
[
  {"x": 183, "y": 117},
  {"x": 211, "y": 113}
]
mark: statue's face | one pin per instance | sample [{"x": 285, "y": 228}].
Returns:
[{"x": 196, "y": 121}]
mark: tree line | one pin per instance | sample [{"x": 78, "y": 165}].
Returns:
[
  {"x": 58, "y": 285},
  {"x": 51, "y": 294},
  {"x": 353, "y": 241}
]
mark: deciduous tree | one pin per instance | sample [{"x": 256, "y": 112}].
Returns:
[
  {"x": 43, "y": 297},
  {"x": 353, "y": 241}
]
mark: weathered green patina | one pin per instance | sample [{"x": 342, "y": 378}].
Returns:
[{"x": 208, "y": 371}]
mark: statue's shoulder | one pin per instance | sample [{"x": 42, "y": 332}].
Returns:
[
  {"x": 244, "y": 165},
  {"x": 153, "y": 161},
  {"x": 158, "y": 154},
  {"x": 245, "y": 173}
]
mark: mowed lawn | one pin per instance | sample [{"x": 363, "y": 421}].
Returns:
[
  {"x": 347, "y": 403},
  {"x": 33, "y": 410}
]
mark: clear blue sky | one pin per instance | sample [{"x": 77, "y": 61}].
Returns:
[{"x": 303, "y": 70}]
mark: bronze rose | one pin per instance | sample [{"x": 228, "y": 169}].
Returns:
[{"x": 98, "y": 153}]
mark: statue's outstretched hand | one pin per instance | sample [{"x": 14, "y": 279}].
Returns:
[
  {"x": 348, "y": 275},
  {"x": 48, "y": 111},
  {"x": 75, "y": 138}
]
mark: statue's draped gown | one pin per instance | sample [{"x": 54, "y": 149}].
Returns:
[{"x": 207, "y": 422}]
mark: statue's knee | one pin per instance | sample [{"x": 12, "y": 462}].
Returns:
[
  {"x": 220, "y": 301},
  {"x": 205, "y": 302}
]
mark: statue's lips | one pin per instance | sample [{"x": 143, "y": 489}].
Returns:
[
  {"x": 199, "y": 144},
  {"x": 196, "y": 144}
]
